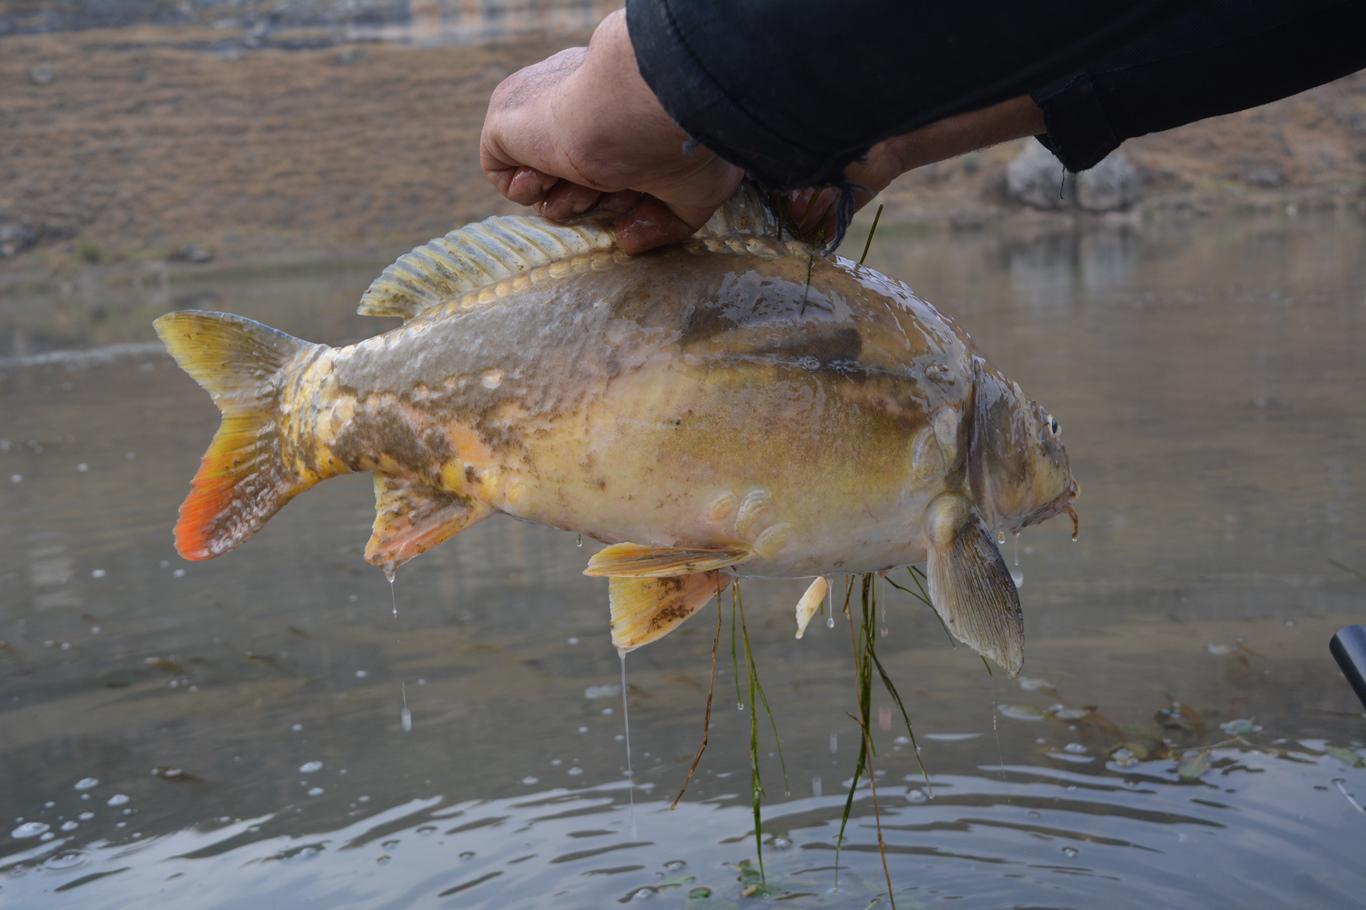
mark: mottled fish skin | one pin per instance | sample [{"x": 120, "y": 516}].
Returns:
[{"x": 743, "y": 392}]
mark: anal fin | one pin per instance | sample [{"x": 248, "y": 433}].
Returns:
[
  {"x": 970, "y": 584},
  {"x": 630, "y": 560},
  {"x": 412, "y": 518},
  {"x": 647, "y": 609}
]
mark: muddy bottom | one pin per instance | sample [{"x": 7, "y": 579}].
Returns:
[{"x": 263, "y": 730}]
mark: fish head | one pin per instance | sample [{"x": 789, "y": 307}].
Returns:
[{"x": 1018, "y": 467}]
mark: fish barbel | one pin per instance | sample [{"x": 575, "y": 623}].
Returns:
[{"x": 742, "y": 404}]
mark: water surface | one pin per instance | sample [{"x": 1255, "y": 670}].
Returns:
[{"x": 231, "y": 734}]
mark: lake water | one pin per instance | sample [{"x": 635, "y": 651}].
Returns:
[{"x": 232, "y": 734}]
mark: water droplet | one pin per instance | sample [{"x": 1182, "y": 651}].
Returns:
[
  {"x": 917, "y": 796},
  {"x": 530, "y": 780},
  {"x": 816, "y": 785},
  {"x": 834, "y": 743},
  {"x": 830, "y": 622},
  {"x": 71, "y": 825},
  {"x": 87, "y": 783},
  {"x": 296, "y": 728},
  {"x": 86, "y": 816},
  {"x": 739, "y": 706},
  {"x": 97, "y": 573},
  {"x": 1074, "y": 749},
  {"x": 575, "y": 771},
  {"x": 178, "y": 573},
  {"x": 118, "y": 799},
  {"x": 572, "y": 640},
  {"x": 1070, "y": 851},
  {"x": 361, "y": 674},
  {"x": 578, "y": 542},
  {"x": 16, "y": 478},
  {"x": 310, "y": 767},
  {"x": 643, "y": 894},
  {"x": 390, "y": 572},
  {"x": 781, "y": 843},
  {"x": 28, "y": 829},
  {"x": 82, "y": 467},
  {"x": 316, "y": 791},
  {"x": 1017, "y": 576},
  {"x": 405, "y": 720},
  {"x": 583, "y": 729}
]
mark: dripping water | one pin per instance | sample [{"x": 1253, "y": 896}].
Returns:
[
  {"x": 578, "y": 541},
  {"x": 1016, "y": 573},
  {"x": 626, "y": 723},
  {"x": 830, "y": 606},
  {"x": 405, "y": 717}
]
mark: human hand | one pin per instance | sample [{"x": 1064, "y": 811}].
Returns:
[{"x": 582, "y": 131}]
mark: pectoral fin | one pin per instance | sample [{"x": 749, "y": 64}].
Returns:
[
  {"x": 647, "y": 609},
  {"x": 635, "y": 561},
  {"x": 970, "y": 585},
  {"x": 411, "y": 518}
]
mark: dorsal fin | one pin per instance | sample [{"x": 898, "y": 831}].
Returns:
[
  {"x": 473, "y": 257},
  {"x": 497, "y": 248}
]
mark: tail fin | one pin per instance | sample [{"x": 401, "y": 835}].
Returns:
[{"x": 242, "y": 480}]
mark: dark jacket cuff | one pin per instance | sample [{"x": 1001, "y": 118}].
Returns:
[
  {"x": 1078, "y": 131},
  {"x": 673, "y": 64}
]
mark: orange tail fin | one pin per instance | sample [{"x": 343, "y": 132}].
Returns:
[{"x": 242, "y": 480}]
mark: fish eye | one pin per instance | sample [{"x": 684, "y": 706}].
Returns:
[{"x": 1054, "y": 426}]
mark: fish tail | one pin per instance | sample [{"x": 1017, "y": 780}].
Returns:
[{"x": 243, "y": 479}]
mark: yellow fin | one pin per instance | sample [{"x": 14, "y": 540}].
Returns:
[
  {"x": 647, "y": 609},
  {"x": 970, "y": 585},
  {"x": 475, "y": 256},
  {"x": 634, "y": 560},
  {"x": 412, "y": 518},
  {"x": 810, "y": 603},
  {"x": 243, "y": 479}
]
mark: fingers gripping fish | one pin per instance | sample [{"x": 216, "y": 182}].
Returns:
[{"x": 738, "y": 405}]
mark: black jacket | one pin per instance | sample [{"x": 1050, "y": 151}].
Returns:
[{"x": 793, "y": 90}]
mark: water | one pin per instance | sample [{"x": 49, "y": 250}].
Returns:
[{"x": 1209, "y": 384}]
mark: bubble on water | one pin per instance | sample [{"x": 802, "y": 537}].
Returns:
[
  {"x": 1070, "y": 851},
  {"x": 295, "y": 728},
  {"x": 310, "y": 767},
  {"x": 82, "y": 467},
  {"x": 178, "y": 573},
  {"x": 87, "y": 783},
  {"x": 781, "y": 843},
  {"x": 531, "y": 780},
  {"x": 71, "y": 825},
  {"x": 1074, "y": 749},
  {"x": 86, "y": 816},
  {"x": 29, "y": 829},
  {"x": 316, "y": 791},
  {"x": 575, "y": 771},
  {"x": 49, "y": 804},
  {"x": 361, "y": 674},
  {"x": 97, "y": 573},
  {"x": 118, "y": 799},
  {"x": 917, "y": 796},
  {"x": 95, "y": 630},
  {"x": 165, "y": 563},
  {"x": 63, "y": 862},
  {"x": 16, "y": 478}
]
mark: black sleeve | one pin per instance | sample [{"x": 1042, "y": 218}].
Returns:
[
  {"x": 793, "y": 90},
  {"x": 1211, "y": 59}
]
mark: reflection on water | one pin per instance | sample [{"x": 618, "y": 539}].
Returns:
[{"x": 231, "y": 734}]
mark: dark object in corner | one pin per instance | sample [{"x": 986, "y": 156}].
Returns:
[{"x": 1349, "y": 649}]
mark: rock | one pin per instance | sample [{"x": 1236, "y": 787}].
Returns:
[
  {"x": 40, "y": 74},
  {"x": 15, "y": 237},
  {"x": 1110, "y": 186},
  {"x": 1035, "y": 178},
  {"x": 192, "y": 252},
  {"x": 1264, "y": 175}
]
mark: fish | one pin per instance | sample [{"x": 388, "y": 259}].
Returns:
[{"x": 741, "y": 404}]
